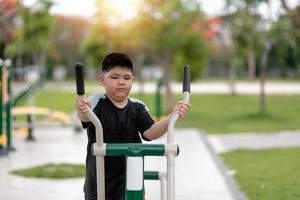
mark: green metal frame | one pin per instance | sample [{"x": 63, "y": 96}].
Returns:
[
  {"x": 2, "y": 150},
  {"x": 135, "y": 150}
]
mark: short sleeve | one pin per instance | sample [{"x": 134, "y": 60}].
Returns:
[
  {"x": 94, "y": 99},
  {"x": 145, "y": 121}
]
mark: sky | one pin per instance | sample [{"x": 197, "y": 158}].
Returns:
[{"x": 87, "y": 8}]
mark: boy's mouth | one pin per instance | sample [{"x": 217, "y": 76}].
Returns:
[{"x": 121, "y": 89}]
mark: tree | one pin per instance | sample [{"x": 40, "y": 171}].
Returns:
[
  {"x": 249, "y": 30},
  {"x": 68, "y": 34},
  {"x": 285, "y": 51},
  {"x": 244, "y": 20},
  {"x": 8, "y": 14},
  {"x": 37, "y": 24},
  {"x": 176, "y": 41}
]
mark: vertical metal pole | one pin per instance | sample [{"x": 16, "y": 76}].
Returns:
[
  {"x": 8, "y": 106},
  {"x": 163, "y": 186},
  {"x": 2, "y": 136},
  {"x": 158, "y": 99},
  {"x": 134, "y": 178},
  {"x": 171, "y": 159},
  {"x": 171, "y": 177},
  {"x": 30, "y": 128}
]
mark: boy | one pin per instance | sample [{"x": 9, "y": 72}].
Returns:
[{"x": 123, "y": 120}]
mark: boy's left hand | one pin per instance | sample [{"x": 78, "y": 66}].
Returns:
[{"x": 182, "y": 109}]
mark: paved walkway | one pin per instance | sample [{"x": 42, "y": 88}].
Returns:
[
  {"x": 199, "y": 175},
  {"x": 283, "y": 139}
]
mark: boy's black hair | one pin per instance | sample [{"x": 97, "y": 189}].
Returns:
[{"x": 116, "y": 59}]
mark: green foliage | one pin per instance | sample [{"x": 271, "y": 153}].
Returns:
[
  {"x": 267, "y": 174},
  {"x": 178, "y": 42},
  {"x": 194, "y": 52},
  {"x": 94, "y": 49},
  {"x": 8, "y": 23},
  {"x": 66, "y": 38},
  {"x": 244, "y": 23},
  {"x": 286, "y": 50},
  {"x": 53, "y": 171},
  {"x": 37, "y": 27},
  {"x": 10, "y": 51}
]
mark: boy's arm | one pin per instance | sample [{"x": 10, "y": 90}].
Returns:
[
  {"x": 160, "y": 128},
  {"x": 81, "y": 107}
]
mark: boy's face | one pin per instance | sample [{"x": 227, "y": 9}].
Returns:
[{"x": 117, "y": 83}]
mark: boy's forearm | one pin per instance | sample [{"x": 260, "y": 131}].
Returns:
[{"x": 158, "y": 129}]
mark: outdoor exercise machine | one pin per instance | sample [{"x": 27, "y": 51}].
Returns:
[
  {"x": 8, "y": 101},
  {"x": 5, "y": 106},
  {"x": 133, "y": 152},
  {"x": 48, "y": 117}
]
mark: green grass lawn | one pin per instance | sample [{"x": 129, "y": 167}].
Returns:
[
  {"x": 268, "y": 174},
  {"x": 53, "y": 171},
  {"x": 213, "y": 113}
]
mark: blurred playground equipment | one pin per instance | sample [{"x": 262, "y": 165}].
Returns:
[
  {"x": 48, "y": 118},
  {"x": 8, "y": 119},
  {"x": 135, "y": 152}
]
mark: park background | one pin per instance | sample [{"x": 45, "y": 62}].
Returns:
[{"x": 252, "y": 42}]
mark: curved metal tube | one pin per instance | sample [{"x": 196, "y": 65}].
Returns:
[{"x": 170, "y": 137}]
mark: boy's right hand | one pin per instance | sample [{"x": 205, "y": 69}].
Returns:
[{"x": 81, "y": 107}]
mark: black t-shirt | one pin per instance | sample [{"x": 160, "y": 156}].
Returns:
[{"x": 119, "y": 126}]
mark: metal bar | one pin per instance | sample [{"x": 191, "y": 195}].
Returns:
[
  {"x": 2, "y": 140},
  {"x": 170, "y": 137},
  {"x": 8, "y": 106},
  {"x": 134, "y": 178},
  {"x": 163, "y": 185},
  {"x": 99, "y": 132},
  {"x": 135, "y": 149},
  {"x": 151, "y": 175}
]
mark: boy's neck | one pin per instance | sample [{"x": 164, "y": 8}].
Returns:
[{"x": 119, "y": 104}]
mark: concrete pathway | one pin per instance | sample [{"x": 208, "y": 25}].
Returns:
[
  {"x": 283, "y": 139},
  {"x": 199, "y": 175}
]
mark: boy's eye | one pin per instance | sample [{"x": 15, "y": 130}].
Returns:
[
  {"x": 127, "y": 78},
  {"x": 114, "y": 77}
]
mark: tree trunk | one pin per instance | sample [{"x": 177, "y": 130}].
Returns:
[
  {"x": 232, "y": 76},
  {"x": 263, "y": 64},
  {"x": 39, "y": 60},
  {"x": 232, "y": 70},
  {"x": 139, "y": 64},
  {"x": 167, "y": 82},
  {"x": 2, "y": 49},
  {"x": 251, "y": 64}
]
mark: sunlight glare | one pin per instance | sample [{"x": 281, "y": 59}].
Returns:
[{"x": 122, "y": 10}]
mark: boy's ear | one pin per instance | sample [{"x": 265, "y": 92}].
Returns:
[{"x": 101, "y": 79}]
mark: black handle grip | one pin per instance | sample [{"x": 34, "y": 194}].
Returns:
[
  {"x": 186, "y": 79},
  {"x": 79, "y": 78}
]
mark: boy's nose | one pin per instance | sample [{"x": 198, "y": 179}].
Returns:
[{"x": 121, "y": 81}]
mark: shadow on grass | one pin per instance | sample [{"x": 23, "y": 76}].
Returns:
[{"x": 258, "y": 116}]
